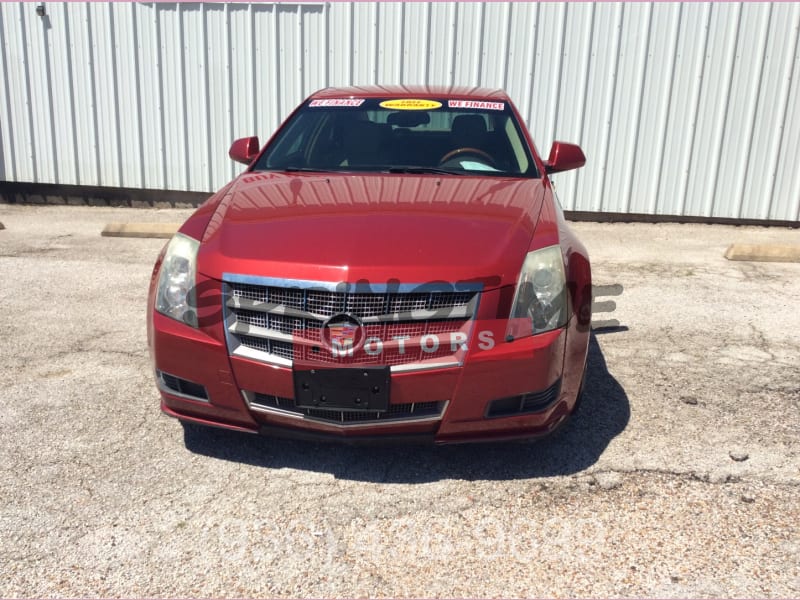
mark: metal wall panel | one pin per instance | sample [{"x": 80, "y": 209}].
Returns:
[{"x": 681, "y": 108}]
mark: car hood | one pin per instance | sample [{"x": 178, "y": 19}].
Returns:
[{"x": 378, "y": 228}]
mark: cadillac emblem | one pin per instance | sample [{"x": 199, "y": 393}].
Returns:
[{"x": 343, "y": 334}]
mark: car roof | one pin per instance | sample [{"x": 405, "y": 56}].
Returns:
[{"x": 411, "y": 91}]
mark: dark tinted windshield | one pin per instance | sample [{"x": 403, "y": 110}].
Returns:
[{"x": 402, "y": 135}]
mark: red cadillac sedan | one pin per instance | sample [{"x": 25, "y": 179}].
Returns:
[{"x": 392, "y": 265}]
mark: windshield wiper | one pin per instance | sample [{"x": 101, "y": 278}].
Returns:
[
  {"x": 308, "y": 170},
  {"x": 405, "y": 169},
  {"x": 414, "y": 170}
]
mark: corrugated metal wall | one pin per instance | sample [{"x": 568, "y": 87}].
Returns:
[{"x": 682, "y": 109}]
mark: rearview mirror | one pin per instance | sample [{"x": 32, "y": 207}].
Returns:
[
  {"x": 564, "y": 157},
  {"x": 244, "y": 150},
  {"x": 408, "y": 118}
]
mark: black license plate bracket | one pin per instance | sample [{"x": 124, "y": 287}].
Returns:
[{"x": 347, "y": 389}]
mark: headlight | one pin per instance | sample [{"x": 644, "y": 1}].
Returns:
[
  {"x": 540, "y": 302},
  {"x": 176, "y": 295}
]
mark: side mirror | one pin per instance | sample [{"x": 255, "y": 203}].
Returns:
[
  {"x": 564, "y": 157},
  {"x": 244, "y": 150}
]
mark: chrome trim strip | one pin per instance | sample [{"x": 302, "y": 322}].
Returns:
[
  {"x": 354, "y": 288},
  {"x": 424, "y": 366},
  {"x": 356, "y": 425},
  {"x": 453, "y": 313},
  {"x": 229, "y": 318},
  {"x": 456, "y": 312},
  {"x": 260, "y": 332},
  {"x": 473, "y": 304},
  {"x": 327, "y": 286},
  {"x": 278, "y": 361},
  {"x": 272, "y": 308},
  {"x": 271, "y": 359},
  {"x": 272, "y": 334}
]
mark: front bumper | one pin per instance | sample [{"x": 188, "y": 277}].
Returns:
[{"x": 541, "y": 371}]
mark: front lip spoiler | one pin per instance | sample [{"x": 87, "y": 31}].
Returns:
[
  {"x": 189, "y": 418},
  {"x": 360, "y": 440},
  {"x": 427, "y": 439}
]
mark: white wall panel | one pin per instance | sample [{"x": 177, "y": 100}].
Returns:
[
  {"x": 597, "y": 111},
  {"x": 18, "y": 95},
  {"x": 494, "y": 51},
  {"x": 194, "y": 78},
  {"x": 520, "y": 56},
  {"x": 737, "y": 134},
  {"x": 440, "y": 50},
  {"x": 677, "y": 161},
  {"x": 393, "y": 22},
  {"x": 681, "y": 108},
  {"x": 659, "y": 78},
  {"x": 8, "y": 166},
  {"x": 150, "y": 93},
  {"x": 468, "y": 42},
  {"x": 713, "y": 107},
  {"x": 416, "y": 24},
  {"x": 623, "y": 136},
  {"x": 766, "y": 134},
  {"x": 126, "y": 47},
  {"x": 40, "y": 96},
  {"x": 781, "y": 196}
]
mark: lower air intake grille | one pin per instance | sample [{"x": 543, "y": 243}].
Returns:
[
  {"x": 176, "y": 385},
  {"x": 531, "y": 402},
  {"x": 396, "y": 412}
]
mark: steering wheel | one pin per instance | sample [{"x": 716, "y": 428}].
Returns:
[{"x": 458, "y": 151}]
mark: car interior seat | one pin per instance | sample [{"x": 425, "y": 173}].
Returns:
[
  {"x": 363, "y": 144},
  {"x": 469, "y": 131}
]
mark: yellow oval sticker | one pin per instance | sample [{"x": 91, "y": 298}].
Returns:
[{"x": 411, "y": 104}]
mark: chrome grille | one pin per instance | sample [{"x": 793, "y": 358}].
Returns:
[
  {"x": 366, "y": 305},
  {"x": 325, "y": 303},
  {"x": 284, "y": 296},
  {"x": 285, "y": 323},
  {"x": 283, "y": 350}
]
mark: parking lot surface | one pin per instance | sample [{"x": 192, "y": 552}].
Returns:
[{"x": 679, "y": 476}]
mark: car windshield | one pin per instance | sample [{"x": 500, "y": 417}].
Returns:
[{"x": 460, "y": 137}]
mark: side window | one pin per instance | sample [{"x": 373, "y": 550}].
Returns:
[{"x": 292, "y": 144}]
